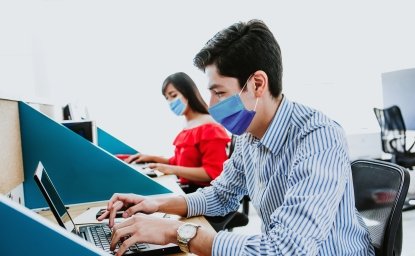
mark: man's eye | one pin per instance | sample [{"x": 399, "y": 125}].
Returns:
[{"x": 219, "y": 94}]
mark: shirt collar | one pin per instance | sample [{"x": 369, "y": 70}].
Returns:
[{"x": 277, "y": 132}]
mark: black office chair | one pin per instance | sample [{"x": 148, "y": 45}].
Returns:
[
  {"x": 380, "y": 189},
  {"x": 231, "y": 220},
  {"x": 393, "y": 135}
]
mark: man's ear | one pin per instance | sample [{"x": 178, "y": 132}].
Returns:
[{"x": 260, "y": 83}]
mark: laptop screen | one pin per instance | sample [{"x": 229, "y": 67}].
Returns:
[{"x": 52, "y": 197}]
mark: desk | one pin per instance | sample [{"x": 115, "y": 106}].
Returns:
[{"x": 168, "y": 181}]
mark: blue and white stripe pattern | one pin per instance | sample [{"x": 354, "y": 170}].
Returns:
[{"x": 298, "y": 177}]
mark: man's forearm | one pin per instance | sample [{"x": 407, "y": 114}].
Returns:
[
  {"x": 173, "y": 205},
  {"x": 202, "y": 243}
]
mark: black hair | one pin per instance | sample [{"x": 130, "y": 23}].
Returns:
[
  {"x": 240, "y": 50},
  {"x": 187, "y": 87}
]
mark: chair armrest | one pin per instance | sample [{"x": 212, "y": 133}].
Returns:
[
  {"x": 410, "y": 148},
  {"x": 393, "y": 147},
  {"x": 220, "y": 222}
]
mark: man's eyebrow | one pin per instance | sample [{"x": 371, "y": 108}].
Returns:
[{"x": 214, "y": 86}]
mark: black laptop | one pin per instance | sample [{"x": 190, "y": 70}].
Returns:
[{"x": 98, "y": 234}]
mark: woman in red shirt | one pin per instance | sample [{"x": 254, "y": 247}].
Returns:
[{"x": 200, "y": 148}]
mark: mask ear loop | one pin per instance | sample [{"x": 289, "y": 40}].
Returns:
[
  {"x": 256, "y": 103},
  {"x": 245, "y": 84}
]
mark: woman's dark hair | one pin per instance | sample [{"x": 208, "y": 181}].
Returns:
[
  {"x": 185, "y": 85},
  {"x": 240, "y": 50}
]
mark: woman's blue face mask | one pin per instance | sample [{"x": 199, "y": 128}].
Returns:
[
  {"x": 232, "y": 114},
  {"x": 177, "y": 106}
]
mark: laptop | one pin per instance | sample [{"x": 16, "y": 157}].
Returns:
[{"x": 98, "y": 234}]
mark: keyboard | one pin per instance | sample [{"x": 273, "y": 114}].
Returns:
[{"x": 101, "y": 235}]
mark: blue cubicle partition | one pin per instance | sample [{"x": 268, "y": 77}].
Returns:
[
  {"x": 81, "y": 171},
  {"x": 26, "y": 233},
  {"x": 112, "y": 144}
]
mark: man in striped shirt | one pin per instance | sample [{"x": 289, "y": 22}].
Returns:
[{"x": 290, "y": 159}]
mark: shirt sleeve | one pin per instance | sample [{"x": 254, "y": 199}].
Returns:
[
  {"x": 317, "y": 183},
  {"x": 172, "y": 160},
  {"x": 225, "y": 193}
]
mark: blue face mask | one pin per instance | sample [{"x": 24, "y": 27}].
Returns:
[
  {"x": 232, "y": 114},
  {"x": 177, "y": 106}
]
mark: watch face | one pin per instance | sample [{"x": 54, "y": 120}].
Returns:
[{"x": 187, "y": 231}]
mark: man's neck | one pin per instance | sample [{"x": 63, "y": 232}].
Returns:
[{"x": 269, "y": 108}]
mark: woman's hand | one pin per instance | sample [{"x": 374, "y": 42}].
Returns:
[
  {"x": 144, "y": 229},
  {"x": 131, "y": 203},
  {"x": 164, "y": 168},
  {"x": 138, "y": 158}
]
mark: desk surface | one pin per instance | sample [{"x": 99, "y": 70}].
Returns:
[{"x": 78, "y": 212}]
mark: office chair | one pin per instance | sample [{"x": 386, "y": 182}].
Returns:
[
  {"x": 393, "y": 135},
  {"x": 231, "y": 220},
  {"x": 380, "y": 189}
]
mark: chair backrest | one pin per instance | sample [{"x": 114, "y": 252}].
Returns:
[
  {"x": 231, "y": 145},
  {"x": 393, "y": 130},
  {"x": 380, "y": 189}
]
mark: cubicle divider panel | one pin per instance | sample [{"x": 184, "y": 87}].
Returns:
[
  {"x": 11, "y": 164},
  {"x": 27, "y": 233},
  {"x": 113, "y": 145},
  {"x": 81, "y": 171}
]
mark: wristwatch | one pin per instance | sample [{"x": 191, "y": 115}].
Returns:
[{"x": 185, "y": 233}]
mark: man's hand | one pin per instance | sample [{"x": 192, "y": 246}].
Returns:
[
  {"x": 144, "y": 229},
  {"x": 131, "y": 203}
]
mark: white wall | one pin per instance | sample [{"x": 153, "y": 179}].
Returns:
[
  {"x": 114, "y": 55},
  {"x": 16, "y": 62}
]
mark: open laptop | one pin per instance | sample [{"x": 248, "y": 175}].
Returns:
[{"x": 98, "y": 234}]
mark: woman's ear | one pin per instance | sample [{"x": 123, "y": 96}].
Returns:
[{"x": 260, "y": 83}]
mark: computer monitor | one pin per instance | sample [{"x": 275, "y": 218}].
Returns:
[
  {"x": 67, "y": 112},
  {"x": 399, "y": 89},
  {"x": 85, "y": 128},
  {"x": 75, "y": 112}
]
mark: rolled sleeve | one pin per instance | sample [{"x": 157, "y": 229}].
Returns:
[
  {"x": 226, "y": 243},
  {"x": 196, "y": 204},
  {"x": 279, "y": 241}
]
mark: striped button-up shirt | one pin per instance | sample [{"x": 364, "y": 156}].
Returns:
[{"x": 298, "y": 177}]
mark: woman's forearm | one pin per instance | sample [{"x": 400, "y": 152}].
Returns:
[
  {"x": 159, "y": 159},
  {"x": 192, "y": 173}
]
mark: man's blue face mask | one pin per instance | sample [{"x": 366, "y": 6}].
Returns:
[
  {"x": 177, "y": 106},
  {"x": 232, "y": 114}
]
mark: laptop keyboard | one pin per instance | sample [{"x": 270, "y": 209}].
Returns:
[{"x": 102, "y": 238}]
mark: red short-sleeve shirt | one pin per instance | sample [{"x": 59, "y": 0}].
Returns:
[{"x": 201, "y": 146}]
